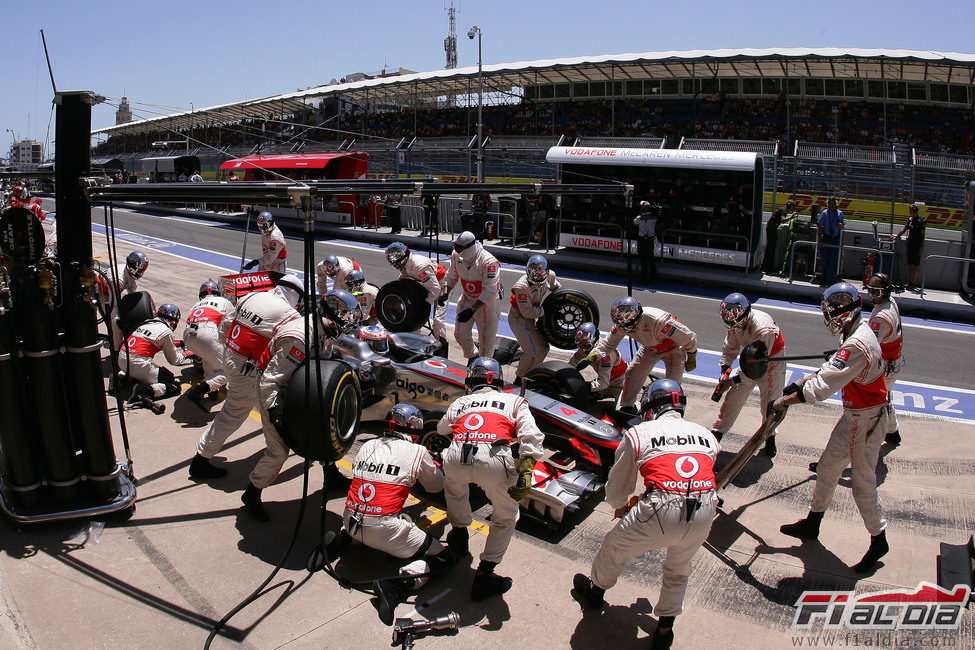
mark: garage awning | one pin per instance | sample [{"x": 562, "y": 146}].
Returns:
[
  {"x": 168, "y": 163},
  {"x": 285, "y": 161}
]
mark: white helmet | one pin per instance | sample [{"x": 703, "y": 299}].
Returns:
[
  {"x": 293, "y": 290},
  {"x": 466, "y": 246}
]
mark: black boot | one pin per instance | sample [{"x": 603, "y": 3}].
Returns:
[
  {"x": 334, "y": 543},
  {"x": 878, "y": 549},
  {"x": 457, "y": 541},
  {"x": 770, "y": 449},
  {"x": 662, "y": 640},
  {"x": 202, "y": 468},
  {"x": 389, "y": 594},
  {"x": 807, "y": 528},
  {"x": 198, "y": 394},
  {"x": 893, "y": 438},
  {"x": 252, "y": 501},
  {"x": 717, "y": 434},
  {"x": 443, "y": 349},
  {"x": 813, "y": 467},
  {"x": 590, "y": 593},
  {"x": 487, "y": 583}
]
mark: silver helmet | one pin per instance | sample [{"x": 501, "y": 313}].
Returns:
[
  {"x": 841, "y": 306},
  {"x": 735, "y": 309}
]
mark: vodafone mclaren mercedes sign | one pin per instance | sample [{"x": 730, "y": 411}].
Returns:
[
  {"x": 668, "y": 251},
  {"x": 676, "y": 158}
]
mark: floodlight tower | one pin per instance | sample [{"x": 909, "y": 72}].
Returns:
[{"x": 450, "y": 43}]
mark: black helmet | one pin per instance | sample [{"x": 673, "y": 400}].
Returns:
[
  {"x": 209, "y": 288},
  {"x": 138, "y": 262},
  {"x": 170, "y": 314},
  {"x": 877, "y": 287},
  {"x": 484, "y": 371},
  {"x": 404, "y": 421},
  {"x": 661, "y": 396}
]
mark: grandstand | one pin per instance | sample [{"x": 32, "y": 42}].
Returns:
[{"x": 878, "y": 125}]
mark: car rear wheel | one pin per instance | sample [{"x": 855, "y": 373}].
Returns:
[
  {"x": 565, "y": 311},
  {"x": 323, "y": 423},
  {"x": 561, "y": 381},
  {"x": 401, "y": 305}
]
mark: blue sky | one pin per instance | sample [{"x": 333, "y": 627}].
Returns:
[{"x": 203, "y": 53}]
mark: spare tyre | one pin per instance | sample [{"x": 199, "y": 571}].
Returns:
[
  {"x": 561, "y": 381},
  {"x": 401, "y": 305},
  {"x": 565, "y": 311},
  {"x": 133, "y": 310},
  {"x": 323, "y": 424}
]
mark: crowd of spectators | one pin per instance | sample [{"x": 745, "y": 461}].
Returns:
[{"x": 713, "y": 116}]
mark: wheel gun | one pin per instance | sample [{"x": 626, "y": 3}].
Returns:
[{"x": 406, "y": 630}]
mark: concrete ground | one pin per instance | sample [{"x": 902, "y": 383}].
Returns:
[{"x": 190, "y": 553}]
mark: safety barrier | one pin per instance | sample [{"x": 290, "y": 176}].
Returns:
[
  {"x": 708, "y": 236},
  {"x": 839, "y": 258},
  {"x": 514, "y": 226},
  {"x": 964, "y": 282}
]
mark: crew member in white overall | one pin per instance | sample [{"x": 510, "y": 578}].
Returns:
[
  {"x": 661, "y": 338},
  {"x": 858, "y": 369},
  {"x": 129, "y": 273},
  {"x": 335, "y": 268},
  {"x": 610, "y": 369},
  {"x": 365, "y": 293},
  {"x": 746, "y": 325},
  {"x": 384, "y": 471},
  {"x": 284, "y": 353},
  {"x": 483, "y": 426},
  {"x": 274, "y": 250},
  {"x": 527, "y": 295},
  {"x": 430, "y": 275},
  {"x": 675, "y": 460},
  {"x": 248, "y": 334},
  {"x": 479, "y": 275},
  {"x": 885, "y": 321},
  {"x": 206, "y": 327},
  {"x": 135, "y": 357}
]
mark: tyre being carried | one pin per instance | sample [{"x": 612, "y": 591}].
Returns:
[
  {"x": 565, "y": 311},
  {"x": 401, "y": 305},
  {"x": 322, "y": 429}
]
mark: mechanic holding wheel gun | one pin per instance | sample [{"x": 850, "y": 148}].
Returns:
[
  {"x": 858, "y": 369},
  {"x": 527, "y": 296},
  {"x": 479, "y": 274},
  {"x": 675, "y": 458},
  {"x": 483, "y": 426},
  {"x": 135, "y": 357},
  {"x": 746, "y": 325},
  {"x": 384, "y": 471},
  {"x": 662, "y": 338}
]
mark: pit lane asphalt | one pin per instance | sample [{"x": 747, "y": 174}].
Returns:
[{"x": 936, "y": 352}]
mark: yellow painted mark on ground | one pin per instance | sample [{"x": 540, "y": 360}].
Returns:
[{"x": 427, "y": 521}]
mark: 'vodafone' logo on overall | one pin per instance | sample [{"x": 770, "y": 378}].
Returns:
[{"x": 680, "y": 473}]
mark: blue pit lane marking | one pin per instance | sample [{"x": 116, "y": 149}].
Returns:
[{"x": 942, "y": 402}]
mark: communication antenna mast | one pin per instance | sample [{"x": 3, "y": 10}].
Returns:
[{"x": 450, "y": 43}]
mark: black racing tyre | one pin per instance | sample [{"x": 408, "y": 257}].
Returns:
[
  {"x": 561, "y": 381},
  {"x": 432, "y": 440},
  {"x": 133, "y": 310},
  {"x": 565, "y": 311},
  {"x": 322, "y": 429},
  {"x": 402, "y": 306},
  {"x": 507, "y": 351}
]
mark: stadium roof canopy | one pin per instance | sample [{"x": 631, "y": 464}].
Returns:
[{"x": 837, "y": 63}]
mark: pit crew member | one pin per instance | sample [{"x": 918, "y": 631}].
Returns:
[
  {"x": 206, "y": 327},
  {"x": 479, "y": 275},
  {"x": 610, "y": 369},
  {"x": 527, "y": 295},
  {"x": 135, "y": 357},
  {"x": 430, "y": 275},
  {"x": 274, "y": 250},
  {"x": 885, "y": 321},
  {"x": 336, "y": 268},
  {"x": 365, "y": 293}
]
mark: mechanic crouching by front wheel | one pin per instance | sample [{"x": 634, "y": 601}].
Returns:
[
  {"x": 610, "y": 368},
  {"x": 384, "y": 471},
  {"x": 284, "y": 353},
  {"x": 479, "y": 275},
  {"x": 483, "y": 426},
  {"x": 858, "y": 369},
  {"x": 527, "y": 295},
  {"x": 253, "y": 324},
  {"x": 661, "y": 338},
  {"x": 206, "y": 327},
  {"x": 675, "y": 458},
  {"x": 135, "y": 357}
]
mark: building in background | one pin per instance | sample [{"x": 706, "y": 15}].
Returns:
[
  {"x": 25, "y": 153},
  {"x": 124, "y": 112}
]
